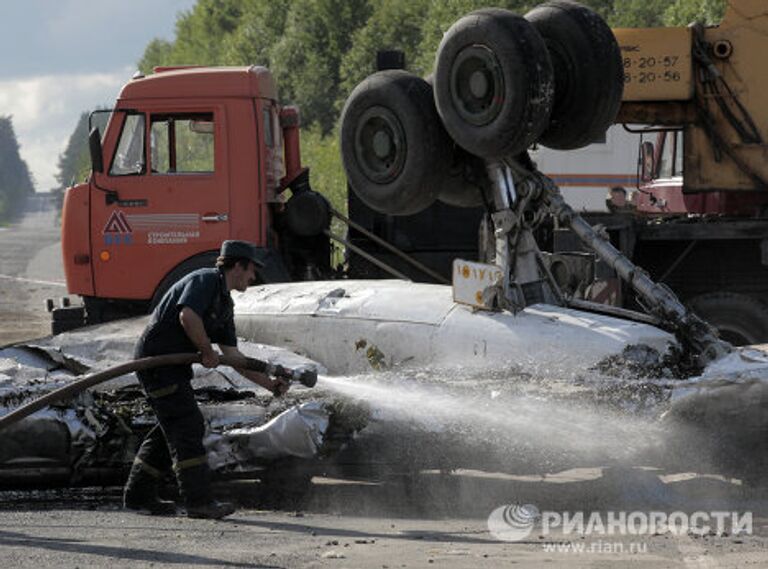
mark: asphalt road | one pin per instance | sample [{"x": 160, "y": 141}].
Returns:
[
  {"x": 30, "y": 272},
  {"x": 367, "y": 526},
  {"x": 432, "y": 520}
]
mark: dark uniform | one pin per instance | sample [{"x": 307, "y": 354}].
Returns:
[{"x": 177, "y": 439}]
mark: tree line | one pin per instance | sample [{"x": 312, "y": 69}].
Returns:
[
  {"x": 318, "y": 50},
  {"x": 15, "y": 180}
]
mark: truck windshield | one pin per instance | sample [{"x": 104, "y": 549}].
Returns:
[
  {"x": 129, "y": 158},
  {"x": 182, "y": 143}
]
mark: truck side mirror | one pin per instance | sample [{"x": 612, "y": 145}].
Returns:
[
  {"x": 94, "y": 145},
  {"x": 647, "y": 161}
]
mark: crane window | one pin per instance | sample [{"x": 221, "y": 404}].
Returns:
[
  {"x": 671, "y": 155},
  {"x": 182, "y": 144},
  {"x": 129, "y": 158}
]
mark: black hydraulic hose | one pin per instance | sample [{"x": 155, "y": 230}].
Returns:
[{"x": 143, "y": 364}]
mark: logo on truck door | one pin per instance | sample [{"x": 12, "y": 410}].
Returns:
[
  {"x": 117, "y": 230},
  {"x": 160, "y": 228}
]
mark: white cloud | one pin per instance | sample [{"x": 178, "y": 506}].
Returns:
[
  {"x": 45, "y": 110},
  {"x": 63, "y": 57}
]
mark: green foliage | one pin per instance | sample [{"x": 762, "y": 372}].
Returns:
[
  {"x": 602, "y": 7},
  {"x": 442, "y": 15},
  {"x": 322, "y": 154},
  {"x": 394, "y": 24},
  {"x": 651, "y": 13},
  {"x": 318, "y": 50},
  {"x": 83, "y": 168},
  {"x": 157, "y": 53},
  {"x": 75, "y": 155},
  {"x": 15, "y": 181},
  {"x": 261, "y": 27},
  {"x": 199, "y": 31},
  {"x": 199, "y": 34},
  {"x": 306, "y": 60},
  {"x": 75, "y": 162},
  {"x": 634, "y": 14},
  {"x": 683, "y": 12}
]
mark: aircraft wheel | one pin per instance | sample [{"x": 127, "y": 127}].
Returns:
[
  {"x": 494, "y": 85},
  {"x": 589, "y": 77},
  {"x": 394, "y": 148}
]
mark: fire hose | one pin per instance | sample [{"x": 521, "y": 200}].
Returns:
[{"x": 305, "y": 377}]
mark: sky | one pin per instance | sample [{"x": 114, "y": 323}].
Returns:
[{"x": 59, "y": 58}]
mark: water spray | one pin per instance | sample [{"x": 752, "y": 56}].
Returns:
[{"x": 517, "y": 419}]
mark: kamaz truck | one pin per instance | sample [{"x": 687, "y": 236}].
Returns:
[{"x": 190, "y": 157}]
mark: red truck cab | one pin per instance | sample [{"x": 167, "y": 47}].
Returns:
[
  {"x": 190, "y": 157},
  {"x": 663, "y": 191}
]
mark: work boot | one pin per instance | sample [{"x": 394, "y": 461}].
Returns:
[
  {"x": 140, "y": 494},
  {"x": 195, "y": 489},
  {"x": 212, "y": 510},
  {"x": 151, "y": 506}
]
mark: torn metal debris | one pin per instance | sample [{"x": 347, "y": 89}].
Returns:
[{"x": 92, "y": 437}]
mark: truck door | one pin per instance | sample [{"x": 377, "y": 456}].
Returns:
[{"x": 169, "y": 199}]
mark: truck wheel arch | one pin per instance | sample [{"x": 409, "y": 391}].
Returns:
[
  {"x": 199, "y": 261},
  {"x": 739, "y": 318},
  {"x": 273, "y": 271}
]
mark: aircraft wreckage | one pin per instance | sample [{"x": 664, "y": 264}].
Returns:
[
  {"x": 349, "y": 327},
  {"x": 504, "y": 327}
]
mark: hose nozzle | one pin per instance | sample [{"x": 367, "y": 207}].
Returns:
[{"x": 306, "y": 377}]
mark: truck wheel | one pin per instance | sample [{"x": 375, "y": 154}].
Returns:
[
  {"x": 739, "y": 319},
  {"x": 589, "y": 78},
  {"x": 393, "y": 146},
  {"x": 494, "y": 85},
  {"x": 201, "y": 261}
]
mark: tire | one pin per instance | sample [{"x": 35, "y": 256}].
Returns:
[
  {"x": 589, "y": 78},
  {"x": 494, "y": 85},
  {"x": 201, "y": 261},
  {"x": 393, "y": 146},
  {"x": 739, "y": 319}
]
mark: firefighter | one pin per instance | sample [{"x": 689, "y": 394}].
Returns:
[{"x": 195, "y": 312}]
